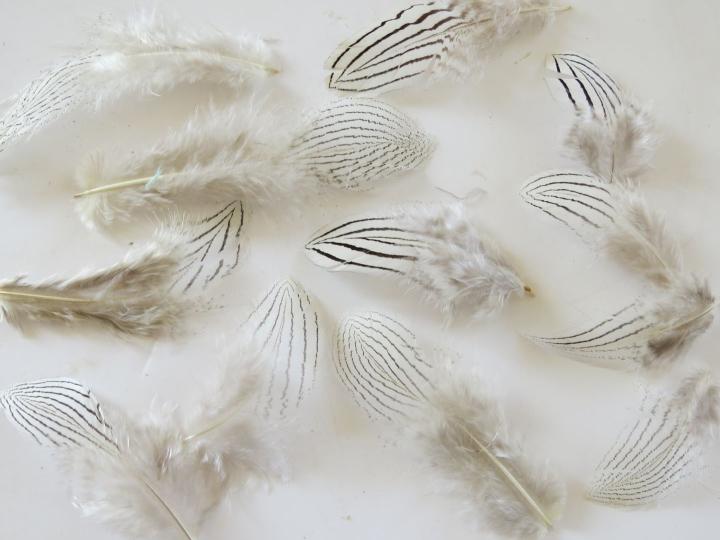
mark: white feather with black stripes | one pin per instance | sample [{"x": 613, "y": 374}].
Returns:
[
  {"x": 164, "y": 471},
  {"x": 145, "y": 55},
  {"x": 429, "y": 41},
  {"x": 439, "y": 250},
  {"x": 457, "y": 431},
  {"x": 663, "y": 447},
  {"x": 260, "y": 158},
  {"x": 612, "y": 135}
]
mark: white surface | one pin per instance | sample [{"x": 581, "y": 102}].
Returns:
[{"x": 350, "y": 480}]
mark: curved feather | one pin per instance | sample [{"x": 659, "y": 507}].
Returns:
[
  {"x": 580, "y": 81},
  {"x": 379, "y": 362},
  {"x": 58, "y": 412},
  {"x": 285, "y": 326},
  {"x": 662, "y": 448},
  {"x": 353, "y": 142}
]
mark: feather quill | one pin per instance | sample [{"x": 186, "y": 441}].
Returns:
[
  {"x": 612, "y": 135},
  {"x": 429, "y": 41},
  {"x": 145, "y": 55},
  {"x": 130, "y": 297},
  {"x": 461, "y": 432},
  {"x": 438, "y": 250},
  {"x": 662, "y": 448},
  {"x": 234, "y": 153}
]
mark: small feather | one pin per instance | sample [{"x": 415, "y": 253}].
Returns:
[
  {"x": 438, "y": 250},
  {"x": 145, "y": 55},
  {"x": 662, "y": 448}
]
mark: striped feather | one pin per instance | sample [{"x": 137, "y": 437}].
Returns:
[
  {"x": 582, "y": 202},
  {"x": 581, "y": 82},
  {"x": 662, "y": 448},
  {"x": 379, "y": 362},
  {"x": 367, "y": 245},
  {"x": 212, "y": 250},
  {"x": 58, "y": 413},
  {"x": 285, "y": 327},
  {"x": 352, "y": 142}
]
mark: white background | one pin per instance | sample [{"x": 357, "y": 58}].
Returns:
[{"x": 350, "y": 480}]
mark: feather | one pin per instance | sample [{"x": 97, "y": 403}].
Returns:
[
  {"x": 145, "y": 55},
  {"x": 463, "y": 434},
  {"x": 352, "y": 142},
  {"x": 285, "y": 324},
  {"x": 662, "y": 448},
  {"x": 613, "y": 136},
  {"x": 234, "y": 153},
  {"x": 131, "y": 297},
  {"x": 430, "y": 41},
  {"x": 379, "y": 362},
  {"x": 650, "y": 334},
  {"x": 212, "y": 248},
  {"x": 165, "y": 470},
  {"x": 436, "y": 249}
]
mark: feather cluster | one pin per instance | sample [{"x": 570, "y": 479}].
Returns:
[
  {"x": 663, "y": 447},
  {"x": 144, "y": 55},
  {"x": 241, "y": 154},
  {"x": 439, "y": 250},
  {"x": 612, "y": 135},
  {"x": 132, "y": 297},
  {"x": 162, "y": 472},
  {"x": 459, "y": 431},
  {"x": 429, "y": 41}
]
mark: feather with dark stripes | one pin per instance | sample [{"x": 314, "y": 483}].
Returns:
[
  {"x": 612, "y": 134},
  {"x": 428, "y": 41},
  {"x": 353, "y": 142},
  {"x": 662, "y": 448},
  {"x": 378, "y": 360},
  {"x": 212, "y": 248},
  {"x": 285, "y": 326},
  {"x": 439, "y": 250}
]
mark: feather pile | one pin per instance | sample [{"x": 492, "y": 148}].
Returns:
[
  {"x": 439, "y": 250},
  {"x": 240, "y": 154},
  {"x": 612, "y": 135},
  {"x": 461, "y": 432},
  {"x": 162, "y": 472},
  {"x": 145, "y": 55},
  {"x": 429, "y": 41},
  {"x": 663, "y": 447},
  {"x": 131, "y": 297}
]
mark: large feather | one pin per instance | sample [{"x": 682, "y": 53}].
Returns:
[
  {"x": 613, "y": 136},
  {"x": 379, "y": 362},
  {"x": 662, "y": 448},
  {"x": 438, "y": 250},
  {"x": 145, "y": 55},
  {"x": 428, "y": 41},
  {"x": 260, "y": 159},
  {"x": 285, "y": 324},
  {"x": 651, "y": 334},
  {"x": 131, "y": 297}
]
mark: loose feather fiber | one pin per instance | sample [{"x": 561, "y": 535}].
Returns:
[
  {"x": 131, "y": 297},
  {"x": 464, "y": 436},
  {"x": 380, "y": 363},
  {"x": 430, "y": 41},
  {"x": 650, "y": 334},
  {"x": 436, "y": 249},
  {"x": 662, "y": 448},
  {"x": 163, "y": 472},
  {"x": 613, "y": 136},
  {"x": 145, "y": 55},
  {"x": 285, "y": 326},
  {"x": 224, "y": 154}
]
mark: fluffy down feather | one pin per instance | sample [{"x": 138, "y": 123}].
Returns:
[{"x": 464, "y": 438}]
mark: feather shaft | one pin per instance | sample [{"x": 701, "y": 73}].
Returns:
[
  {"x": 173, "y": 515},
  {"x": 125, "y": 184},
  {"x": 49, "y": 298},
  {"x": 263, "y": 67}
]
